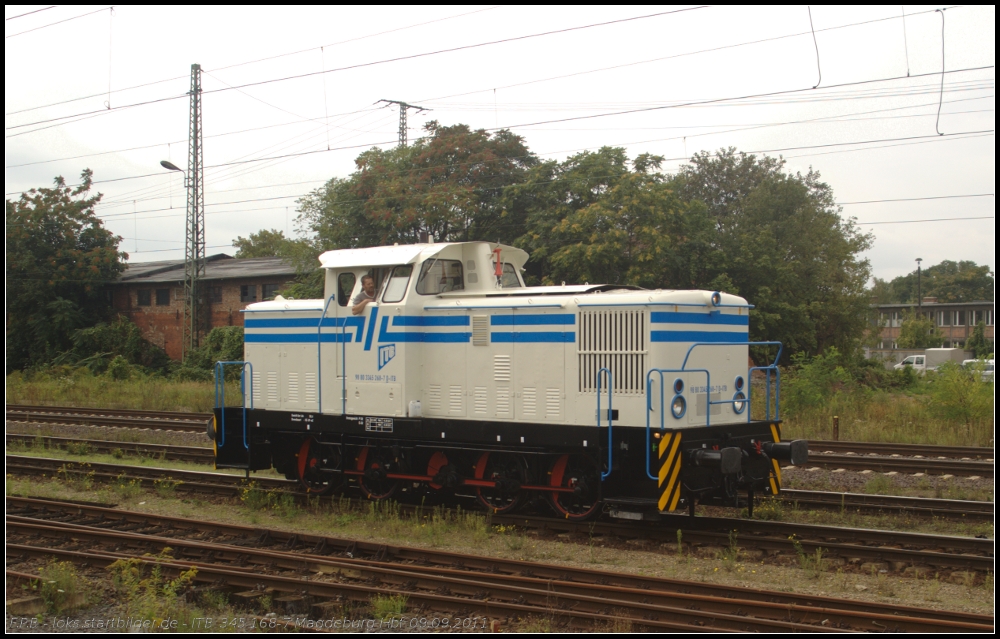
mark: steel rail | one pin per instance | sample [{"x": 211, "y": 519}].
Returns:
[
  {"x": 902, "y": 549},
  {"x": 901, "y": 464},
  {"x": 957, "y": 509},
  {"x": 199, "y": 454},
  {"x": 904, "y": 450},
  {"x": 544, "y": 596},
  {"x": 112, "y": 412},
  {"x": 945, "y": 508},
  {"x": 591, "y": 588},
  {"x": 116, "y": 419}
]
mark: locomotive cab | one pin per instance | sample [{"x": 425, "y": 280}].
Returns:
[{"x": 431, "y": 367}]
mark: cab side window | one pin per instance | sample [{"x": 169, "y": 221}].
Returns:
[
  {"x": 345, "y": 285},
  {"x": 395, "y": 289},
  {"x": 509, "y": 277},
  {"x": 440, "y": 276}
]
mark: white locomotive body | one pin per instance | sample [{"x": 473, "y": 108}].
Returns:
[{"x": 457, "y": 376}]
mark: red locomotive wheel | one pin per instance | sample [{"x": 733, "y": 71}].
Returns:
[
  {"x": 509, "y": 472},
  {"x": 375, "y": 465},
  {"x": 315, "y": 465},
  {"x": 580, "y": 474}
]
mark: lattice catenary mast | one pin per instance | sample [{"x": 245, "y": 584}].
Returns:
[
  {"x": 194, "y": 244},
  {"x": 403, "y": 106}
]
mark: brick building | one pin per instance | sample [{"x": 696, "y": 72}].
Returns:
[
  {"x": 956, "y": 322},
  {"x": 151, "y": 294}
]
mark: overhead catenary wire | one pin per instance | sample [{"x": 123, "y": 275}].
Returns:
[
  {"x": 184, "y": 77},
  {"x": 52, "y": 24},
  {"x": 938, "y": 122},
  {"x": 120, "y": 201},
  {"x": 819, "y": 70},
  {"x": 117, "y": 215},
  {"x": 956, "y": 86},
  {"x": 735, "y": 98},
  {"x": 700, "y": 102},
  {"x": 672, "y": 56},
  {"x": 362, "y": 65},
  {"x": 30, "y": 12}
]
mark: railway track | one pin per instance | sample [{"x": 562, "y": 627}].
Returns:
[
  {"x": 855, "y": 502},
  {"x": 900, "y": 450},
  {"x": 880, "y": 549},
  {"x": 197, "y": 454},
  {"x": 160, "y": 420},
  {"x": 909, "y": 465},
  {"x": 947, "y": 508},
  {"x": 963, "y": 461},
  {"x": 463, "y": 585}
]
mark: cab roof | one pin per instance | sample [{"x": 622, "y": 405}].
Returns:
[{"x": 408, "y": 254}]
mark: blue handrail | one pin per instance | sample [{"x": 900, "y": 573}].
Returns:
[
  {"x": 611, "y": 386},
  {"x": 319, "y": 356},
  {"x": 772, "y": 367},
  {"x": 220, "y": 396}
]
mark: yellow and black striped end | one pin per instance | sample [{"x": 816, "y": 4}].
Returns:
[
  {"x": 670, "y": 471},
  {"x": 776, "y": 477}
]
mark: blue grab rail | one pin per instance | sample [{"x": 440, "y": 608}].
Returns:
[
  {"x": 610, "y": 412},
  {"x": 772, "y": 367},
  {"x": 319, "y": 356},
  {"x": 220, "y": 396}
]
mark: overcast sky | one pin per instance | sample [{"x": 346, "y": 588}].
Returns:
[{"x": 563, "y": 92}]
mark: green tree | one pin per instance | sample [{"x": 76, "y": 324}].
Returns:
[
  {"x": 448, "y": 185},
  {"x": 787, "y": 250},
  {"x": 263, "y": 243},
  {"x": 978, "y": 344},
  {"x": 600, "y": 218},
  {"x": 60, "y": 260},
  {"x": 949, "y": 281},
  {"x": 918, "y": 331}
]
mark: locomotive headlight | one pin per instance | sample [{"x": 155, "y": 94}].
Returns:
[
  {"x": 739, "y": 402},
  {"x": 678, "y": 407}
]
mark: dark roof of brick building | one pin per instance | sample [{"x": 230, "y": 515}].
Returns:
[{"x": 217, "y": 267}]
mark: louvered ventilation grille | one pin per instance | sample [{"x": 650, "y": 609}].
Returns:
[
  {"x": 310, "y": 388},
  {"x": 272, "y": 387},
  {"x": 434, "y": 398},
  {"x": 257, "y": 391},
  {"x": 615, "y": 340},
  {"x": 293, "y": 388},
  {"x": 529, "y": 401},
  {"x": 479, "y": 399},
  {"x": 480, "y": 330},
  {"x": 456, "y": 400},
  {"x": 501, "y": 368}
]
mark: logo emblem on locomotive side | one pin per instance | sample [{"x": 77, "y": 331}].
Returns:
[{"x": 385, "y": 354}]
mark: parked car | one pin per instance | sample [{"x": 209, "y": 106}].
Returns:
[
  {"x": 986, "y": 365},
  {"x": 931, "y": 359}
]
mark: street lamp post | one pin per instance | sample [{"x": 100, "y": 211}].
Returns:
[
  {"x": 920, "y": 298},
  {"x": 189, "y": 300}
]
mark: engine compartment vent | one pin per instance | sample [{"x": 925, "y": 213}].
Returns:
[{"x": 616, "y": 340}]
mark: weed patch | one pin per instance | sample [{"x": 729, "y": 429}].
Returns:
[
  {"x": 60, "y": 586},
  {"x": 386, "y": 606},
  {"x": 146, "y": 591},
  {"x": 812, "y": 564}
]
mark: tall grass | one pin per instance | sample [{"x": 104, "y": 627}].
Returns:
[
  {"x": 65, "y": 386},
  {"x": 950, "y": 407}
]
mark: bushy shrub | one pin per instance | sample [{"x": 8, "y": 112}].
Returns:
[
  {"x": 119, "y": 369},
  {"x": 97, "y": 347},
  {"x": 961, "y": 395},
  {"x": 812, "y": 382}
]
